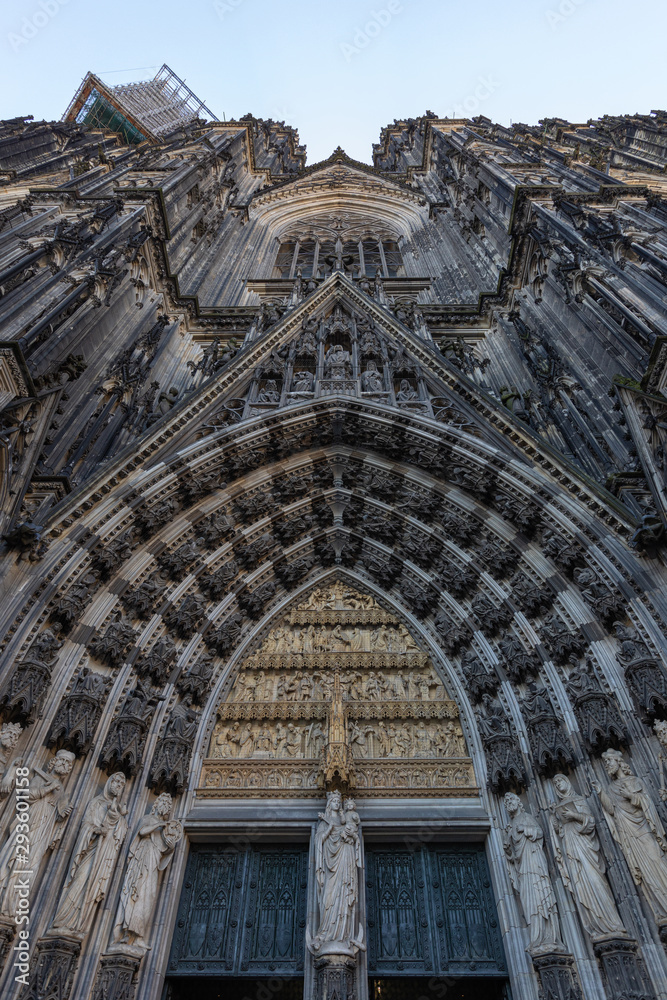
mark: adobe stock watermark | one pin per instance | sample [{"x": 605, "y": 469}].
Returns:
[
  {"x": 486, "y": 86},
  {"x": 565, "y": 9},
  {"x": 364, "y": 35},
  {"x": 225, "y": 7},
  {"x": 33, "y": 24}
]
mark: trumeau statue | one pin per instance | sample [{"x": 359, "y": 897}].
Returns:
[
  {"x": 49, "y": 808},
  {"x": 150, "y": 853},
  {"x": 636, "y": 827},
  {"x": 337, "y": 864},
  {"x": 529, "y": 872},
  {"x": 580, "y": 861},
  {"x": 101, "y": 834}
]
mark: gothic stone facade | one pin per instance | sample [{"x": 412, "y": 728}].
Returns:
[{"x": 333, "y": 588}]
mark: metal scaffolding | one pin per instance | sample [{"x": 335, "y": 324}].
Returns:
[{"x": 148, "y": 110}]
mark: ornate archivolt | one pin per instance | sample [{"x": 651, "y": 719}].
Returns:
[{"x": 338, "y": 694}]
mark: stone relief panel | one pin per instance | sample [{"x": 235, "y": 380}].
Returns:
[{"x": 338, "y": 690}]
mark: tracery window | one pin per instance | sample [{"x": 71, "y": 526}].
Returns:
[{"x": 312, "y": 247}]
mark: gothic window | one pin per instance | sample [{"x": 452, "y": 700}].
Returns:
[{"x": 360, "y": 257}]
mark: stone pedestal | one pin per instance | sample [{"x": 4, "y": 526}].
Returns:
[
  {"x": 558, "y": 980},
  {"x": 52, "y": 968},
  {"x": 623, "y": 971},
  {"x": 116, "y": 977},
  {"x": 335, "y": 978}
]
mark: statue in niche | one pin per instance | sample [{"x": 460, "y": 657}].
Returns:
[
  {"x": 384, "y": 740},
  {"x": 270, "y": 393},
  {"x": 337, "y": 364},
  {"x": 337, "y": 864},
  {"x": 371, "y": 379},
  {"x": 422, "y": 741},
  {"x": 636, "y": 827},
  {"x": 101, "y": 834},
  {"x": 49, "y": 809},
  {"x": 580, "y": 861},
  {"x": 303, "y": 382},
  {"x": 660, "y": 730},
  {"x": 405, "y": 392},
  {"x": 402, "y": 741},
  {"x": 150, "y": 852},
  {"x": 529, "y": 874},
  {"x": 262, "y": 743},
  {"x": 243, "y": 738}
]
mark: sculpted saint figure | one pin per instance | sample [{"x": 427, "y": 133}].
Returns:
[
  {"x": 337, "y": 864},
  {"x": 150, "y": 853},
  {"x": 636, "y": 827},
  {"x": 660, "y": 730},
  {"x": 49, "y": 808},
  {"x": 529, "y": 873},
  {"x": 580, "y": 861},
  {"x": 371, "y": 379},
  {"x": 101, "y": 834}
]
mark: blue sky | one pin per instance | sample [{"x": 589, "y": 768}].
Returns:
[{"x": 340, "y": 71}]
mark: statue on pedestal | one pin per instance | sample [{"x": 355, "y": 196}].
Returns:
[{"x": 337, "y": 864}]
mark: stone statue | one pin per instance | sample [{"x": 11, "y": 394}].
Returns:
[
  {"x": 337, "y": 864},
  {"x": 10, "y": 733},
  {"x": 529, "y": 873},
  {"x": 49, "y": 808},
  {"x": 270, "y": 393},
  {"x": 581, "y": 863},
  {"x": 636, "y": 827},
  {"x": 660, "y": 730},
  {"x": 101, "y": 834},
  {"x": 405, "y": 392},
  {"x": 150, "y": 853},
  {"x": 371, "y": 379}
]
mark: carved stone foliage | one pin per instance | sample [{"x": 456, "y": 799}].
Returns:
[
  {"x": 218, "y": 583},
  {"x": 481, "y": 678},
  {"x": 23, "y": 692},
  {"x": 531, "y": 599},
  {"x": 490, "y": 616},
  {"x": 171, "y": 760},
  {"x": 646, "y": 675},
  {"x": 607, "y": 606},
  {"x": 254, "y": 602},
  {"x": 224, "y": 637},
  {"x": 458, "y": 580},
  {"x": 109, "y": 556},
  {"x": 499, "y": 560},
  {"x": 184, "y": 617},
  {"x": 519, "y": 663},
  {"x": 156, "y": 664},
  {"x": 452, "y": 636},
  {"x": 419, "y": 596},
  {"x": 462, "y": 530},
  {"x": 124, "y": 746},
  {"x": 212, "y": 530},
  {"x": 79, "y": 713},
  {"x": 506, "y": 770},
  {"x": 195, "y": 683},
  {"x": 178, "y": 563},
  {"x": 113, "y": 645},
  {"x": 148, "y": 520},
  {"x": 525, "y": 516},
  {"x": 68, "y": 607},
  {"x": 597, "y": 713},
  {"x": 549, "y": 745},
  {"x": 562, "y": 644},
  {"x": 143, "y": 600},
  {"x": 567, "y": 555}
]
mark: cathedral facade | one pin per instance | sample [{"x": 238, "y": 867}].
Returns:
[{"x": 333, "y": 584}]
